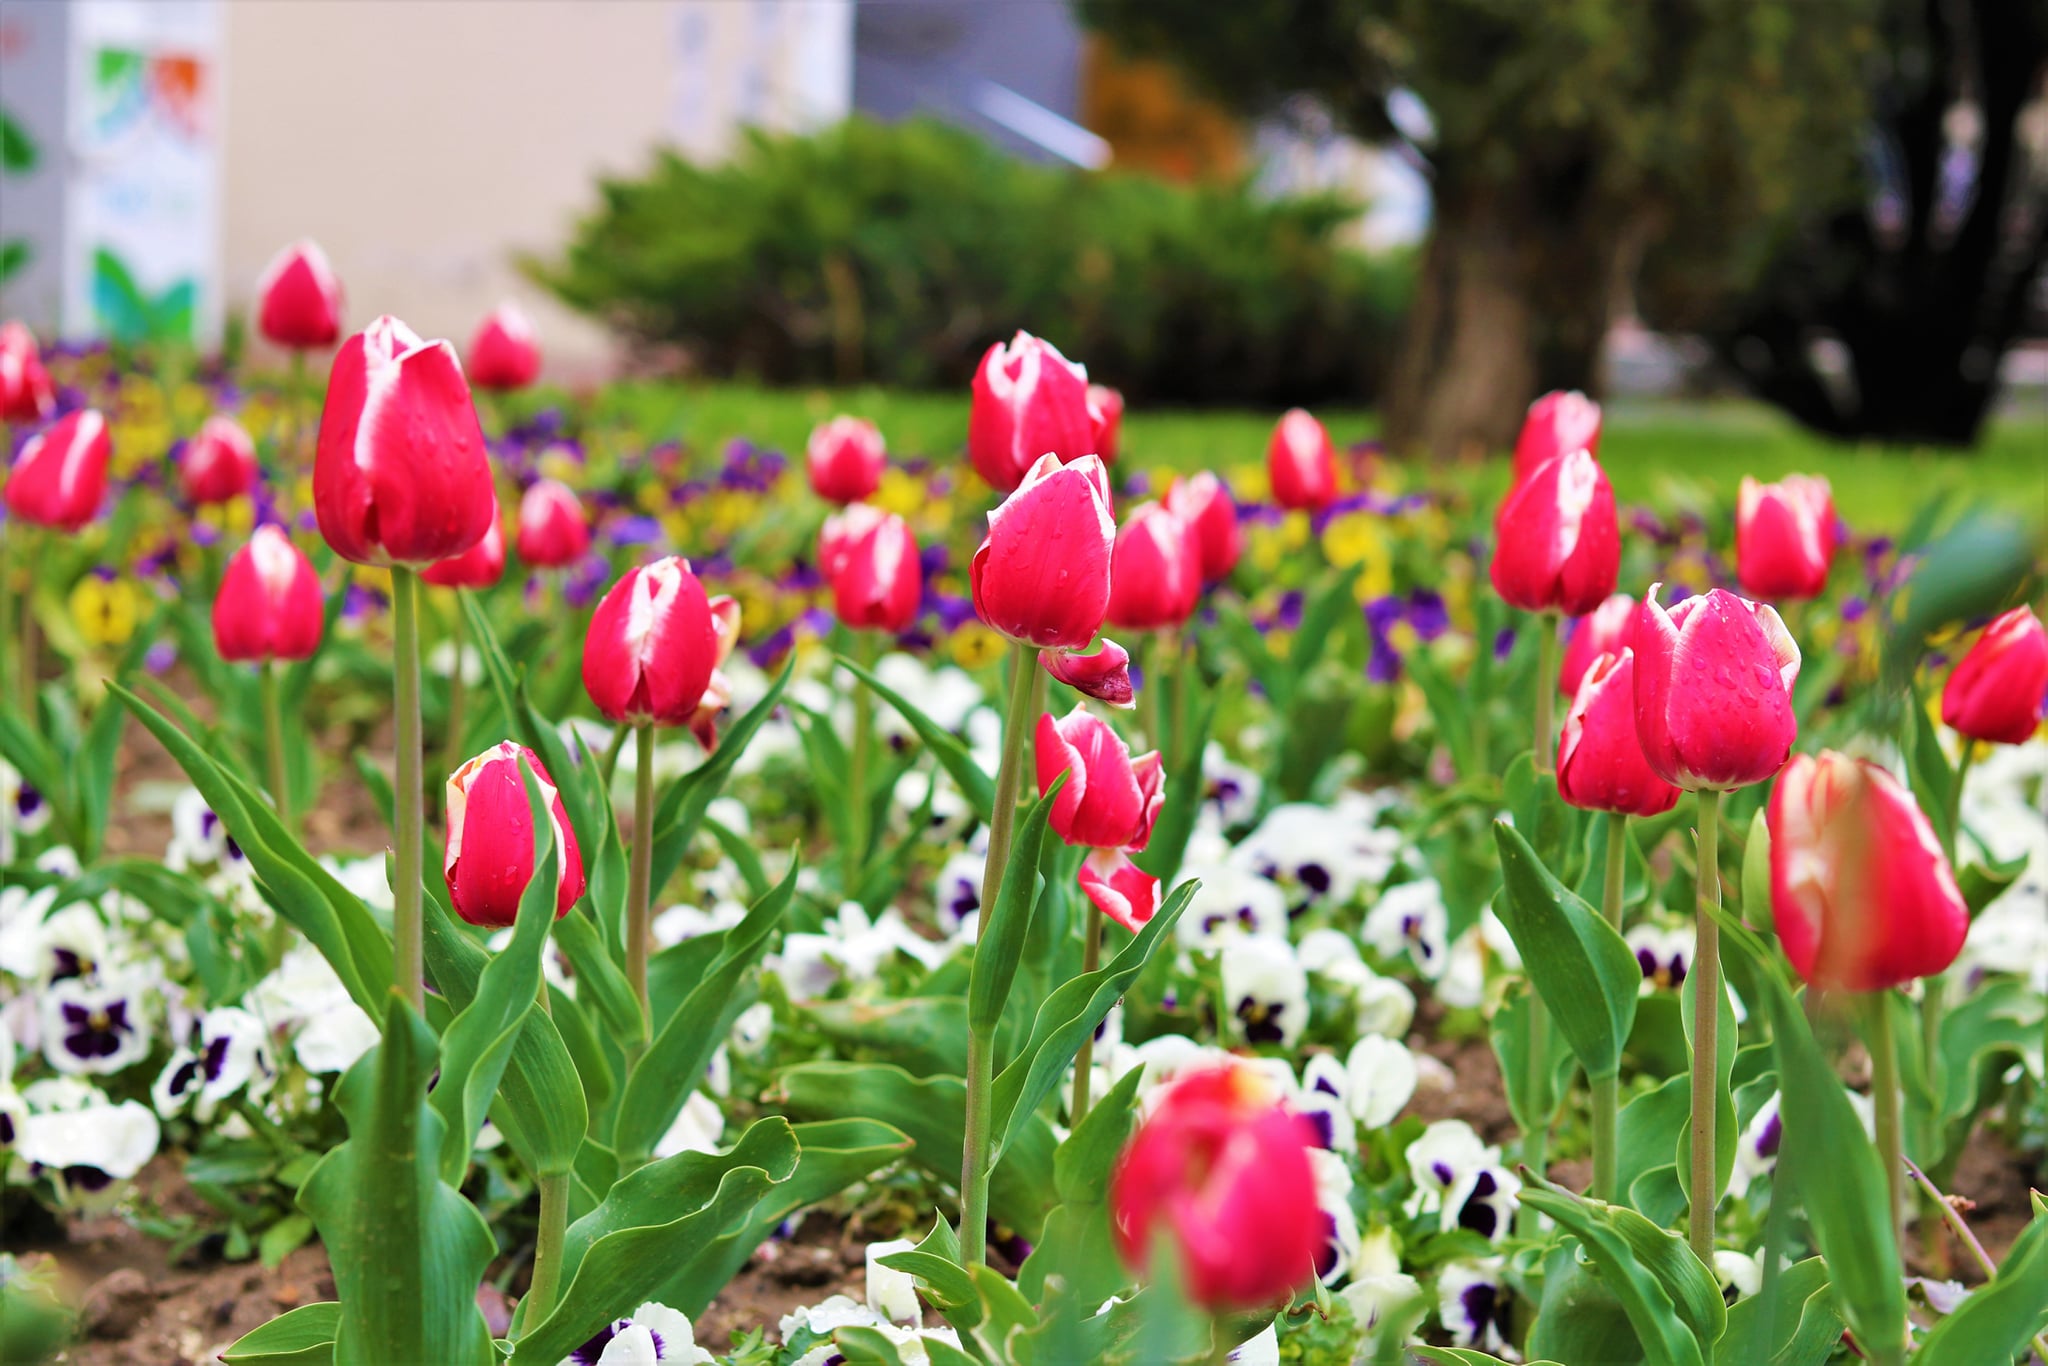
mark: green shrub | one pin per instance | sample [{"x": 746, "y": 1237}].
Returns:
[{"x": 897, "y": 253}]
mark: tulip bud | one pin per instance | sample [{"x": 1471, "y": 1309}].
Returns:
[
  {"x": 1221, "y": 1169},
  {"x": 1558, "y": 544},
  {"x": 1862, "y": 896},
  {"x": 1600, "y": 763},
  {"x": 480, "y": 566},
  {"x": 269, "y": 604},
  {"x": 878, "y": 582},
  {"x": 652, "y": 646},
  {"x": 299, "y": 298},
  {"x": 1156, "y": 571},
  {"x": 1204, "y": 504},
  {"x": 1106, "y": 407},
  {"x": 400, "y": 476},
  {"x": 1301, "y": 463},
  {"x": 490, "y": 822},
  {"x": 1029, "y": 400},
  {"x": 504, "y": 354},
  {"x": 1784, "y": 537},
  {"x": 1562, "y": 421},
  {"x": 845, "y": 458},
  {"x": 1714, "y": 682},
  {"x": 1608, "y": 629},
  {"x": 552, "y": 531},
  {"x": 1997, "y": 691},
  {"x": 219, "y": 464},
  {"x": 1109, "y": 804},
  {"x": 1042, "y": 574},
  {"x": 60, "y": 476},
  {"x": 26, "y": 394}
]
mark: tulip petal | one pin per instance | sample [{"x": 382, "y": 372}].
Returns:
[
  {"x": 1104, "y": 675},
  {"x": 1121, "y": 889}
]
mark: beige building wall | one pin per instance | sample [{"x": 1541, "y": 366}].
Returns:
[{"x": 423, "y": 143}]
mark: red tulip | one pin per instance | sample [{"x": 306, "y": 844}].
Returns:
[
  {"x": 1600, "y": 763},
  {"x": 1109, "y": 804},
  {"x": 1562, "y": 421},
  {"x": 1861, "y": 894},
  {"x": 1156, "y": 571},
  {"x": 845, "y": 458},
  {"x": 878, "y": 581},
  {"x": 1029, "y": 401},
  {"x": 552, "y": 529},
  {"x": 1558, "y": 545},
  {"x": 1106, "y": 405},
  {"x": 1221, "y": 1170},
  {"x": 490, "y": 822},
  {"x": 842, "y": 531},
  {"x": 299, "y": 297},
  {"x": 504, "y": 354},
  {"x": 1784, "y": 537},
  {"x": 60, "y": 476},
  {"x": 1608, "y": 629},
  {"x": 1997, "y": 691},
  {"x": 219, "y": 464},
  {"x": 1301, "y": 463},
  {"x": 269, "y": 604},
  {"x": 1714, "y": 682},
  {"x": 1203, "y": 502},
  {"x": 1042, "y": 573},
  {"x": 652, "y": 646},
  {"x": 725, "y": 634},
  {"x": 26, "y": 394},
  {"x": 400, "y": 476},
  {"x": 480, "y": 566}
]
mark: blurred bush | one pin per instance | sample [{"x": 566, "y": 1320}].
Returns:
[{"x": 897, "y": 253}]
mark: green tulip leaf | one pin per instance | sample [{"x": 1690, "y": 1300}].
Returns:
[
  {"x": 951, "y": 752},
  {"x": 1002, "y": 935},
  {"x": 1076, "y": 1244},
  {"x": 298, "y": 1337},
  {"x": 1672, "y": 1301},
  {"x": 1998, "y": 1320},
  {"x": 1763, "y": 1328},
  {"x": 681, "y": 809}
]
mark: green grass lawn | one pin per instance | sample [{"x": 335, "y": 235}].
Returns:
[{"x": 1663, "y": 453}]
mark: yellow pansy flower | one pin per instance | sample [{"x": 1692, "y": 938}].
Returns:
[
  {"x": 975, "y": 645},
  {"x": 105, "y": 609}
]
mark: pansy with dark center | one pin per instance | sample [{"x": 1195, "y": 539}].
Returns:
[
  {"x": 95, "y": 1033},
  {"x": 1262, "y": 1020},
  {"x": 589, "y": 1352},
  {"x": 1477, "y": 1214}
]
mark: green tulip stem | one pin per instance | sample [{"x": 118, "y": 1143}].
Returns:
[
  {"x": 639, "y": 888},
  {"x": 295, "y": 405},
  {"x": 458, "y": 636},
  {"x": 1706, "y": 1000},
  {"x": 407, "y": 965},
  {"x": 12, "y": 533},
  {"x": 1158, "y": 656},
  {"x": 1934, "y": 1003},
  {"x": 974, "y": 1173},
  {"x": 1546, "y": 692},
  {"x": 1084, "y": 1061},
  {"x": 547, "y": 1250},
  {"x": 857, "y": 833},
  {"x": 273, "y": 741},
  {"x": 1606, "y": 1091},
  {"x": 1884, "y": 1095},
  {"x": 1184, "y": 675}
]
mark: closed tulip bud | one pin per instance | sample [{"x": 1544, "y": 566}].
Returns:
[
  {"x": 1109, "y": 805},
  {"x": 1557, "y": 544},
  {"x": 1714, "y": 682},
  {"x": 60, "y": 476},
  {"x": 842, "y": 531},
  {"x": 1562, "y": 421},
  {"x": 505, "y": 352},
  {"x": 1301, "y": 463},
  {"x": 1029, "y": 400},
  {"x": 1608, "y": 629},
  {"x": 652, "y": 646},
  {"x": 1204, "y": 504},
  {"x": 878, "y": 581},
  {"x": 1156, "y": 571},
  {"x": 1600, "y": 763},
  {"x": 1997, "y": 691},
  {"x": 269, "y": 604},
  {"x": 1862, "y": 896},
  {"x": 26, "y": 394},
  {"x": 1784, "y": 537},
  {"x": 845, "y": 459},
  {"x": 1220, "y": 1169},
  {"x": 552, "y": 529},
  {"x": 219, "y": 464},
  {"x": 400, "y": 476},
  {"x": 480, "y": 566},
  {"x": 1042, "y": 573},
  {"x": 491, "y": 837},
  {"x": 299, "y": 299},
  {"x": 1106, "y": 405}
]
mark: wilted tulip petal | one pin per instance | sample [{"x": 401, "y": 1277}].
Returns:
[{"x": 1104, "y": 675}]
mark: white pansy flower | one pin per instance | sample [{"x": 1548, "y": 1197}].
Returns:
[
  {"x": 1740, "y": 1275},
  {"x": 228, "y": 1050},
  {"x": 697, "y": 1128},
  {"x": 1229, "y": 905},
  {"x": 1380, "y": 1079},
  {"x": 1229, "y": 789},
  {"x": 891, "y": 1293},
  {"x": 1441, "y": 1156},
  {"x": 1663, "y": 952},
  {"x": 1265, "y": 991},
  {"x": 653, "y": 1335},
  {"x": 305, "y": 997},
  {"x": 1409, "y": 920},
  {"x": 680, "y": 922},
  {"x": 97, "y": 1026},
  {"x": 1261, "y": 1349},
  {"x": 85, "y": 1151},
  {"x": 1473, "y": 1302}
]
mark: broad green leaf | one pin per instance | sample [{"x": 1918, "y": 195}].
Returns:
[
  {"x": 407, "y": 1250},
  {"x": 1580, "y": 1317},
  {"x": 1533, "y": 1093},
  {"x": 298, "y": 1337},
  {"x": 1585, "y": 972},
  {"x": 92, "y": 775},
  {"x": 944, "y": 1282},
  {"x": 1464, "y": 1356},
  {"x": 951, "y": 752},
  {"x": 600, "y": 980},
  {"x": 866, "y": 1347},
  {"x": 924, "y": 1035},
  {"x": 1933, "y": 779},
  {"x": 1076, "y": 1244},
  {"x": 1002, "y": 936},
  {"x": 1983, "y": 883},
  {"x": 1617, "y": 1239},
  {"x": 1998, "y": 1319},
  {"x": 1970, "y": 571},
  {"x": 1798, "y": 1327}
]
